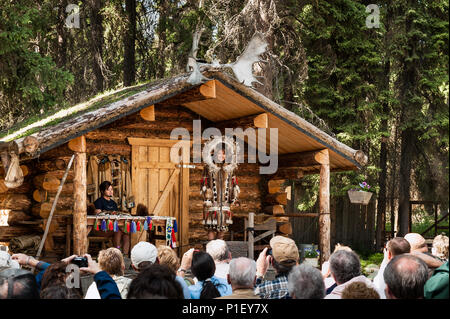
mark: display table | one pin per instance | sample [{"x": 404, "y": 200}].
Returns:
[
  {"x": 136, "y": 224},
  {"x": 156, "y": 220}
]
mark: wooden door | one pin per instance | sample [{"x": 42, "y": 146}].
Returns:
[{"x": 161, "y": 185}]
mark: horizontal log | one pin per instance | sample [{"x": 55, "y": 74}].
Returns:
[
  {"x": 274, "y": 210},
  {"x": 262, "y": 218},
  {"x": 198, "y": 93},
  {"x": 53, "y": 165},
  {"x": 148, "y": 113},
  {"x": 168, "y": 124},
  {"x": 15, "y": 202},
  {"x": 22, "y": 189},
  {"x": 15, "y": 217},
  {"x": 276, "y": 199},
  {"x": 23, "y": 167},
  {"x": 281, "y": 219},
  {"x": 286, "y": 174},
  {"x": 275, "y": 186},
  {"x": 180, "y": 112},
  {"x": 64, "y": 200},
  {"x": 285, "y": 229},
  {"x": 304, "y": 159},
  {"x": 46, "y": 213},
  {"x": 101, "y": 147},
  {"x": 121, "y": 134},
  {"x": 41, "y": 195},
  {"x": 51, "y": 180},
  {"x": 302, "y": 215},
  {"x": 43, "y": 209},
  {"x": 57, "y": 152},
  {"x": 9, "y": 232},
  {"x": 168, "y": 113},
  {"x": 252, "y": 121}
]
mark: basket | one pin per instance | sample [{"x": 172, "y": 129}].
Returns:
[{"x": 359, "y": 197}]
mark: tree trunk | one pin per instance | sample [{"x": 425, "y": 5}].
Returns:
[
  {"x": 162, "y": 27},
  {"x": 80, "y": 206},
  {"x": 410, "y": 108},
  {"x": 129, "y": 65},
  {"x": 381, "y": 207},
  {"x": 265, "y": 70},
  {"x": 288, "y": 91},
  {"x": 62, "y": 35},
  {"x": 97, "y": 42},
  {"x": 404, "y": 183},
  {"x": 324, "y": 215},
  {"x": 393, "y": 179}
]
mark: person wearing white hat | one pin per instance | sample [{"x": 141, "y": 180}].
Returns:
[{"x": 143, "y": 255}]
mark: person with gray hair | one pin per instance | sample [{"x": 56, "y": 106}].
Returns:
[
  {"x": 345, "y": 269},
  {"x": 242, "y": 278},
  {"x": 419, "y": 249},
  {"x": 306, "y": 282},
  {"x": 405, "y": 277},
  {"x": 218, "y": 250}
]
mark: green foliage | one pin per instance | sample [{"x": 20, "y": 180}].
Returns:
[
  {"x": 366, "y": 85},
  {"x": 311, "y": 253},
  {"x": 367, "y": 259},
  {"x": 30, "y": 81}
]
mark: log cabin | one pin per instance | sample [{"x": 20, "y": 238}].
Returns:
[{"x": 136, "y": 123}]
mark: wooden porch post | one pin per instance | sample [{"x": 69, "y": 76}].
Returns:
[
  {"x": 80, "y": 194},
  {"x": 324, "y": 206}
]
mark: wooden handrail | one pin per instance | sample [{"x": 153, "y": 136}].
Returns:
[{"x": 438, "y": 221}]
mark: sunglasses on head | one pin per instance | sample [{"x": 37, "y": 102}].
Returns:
[{"x": 11, "y": 275}]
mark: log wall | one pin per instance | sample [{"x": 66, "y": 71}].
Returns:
[{"x": 17, "y": 204}]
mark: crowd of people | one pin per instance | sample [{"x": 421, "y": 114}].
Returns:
[{"x": 408, "y": 271}]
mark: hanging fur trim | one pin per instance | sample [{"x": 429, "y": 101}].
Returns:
[{"x": 230, "y": 145}]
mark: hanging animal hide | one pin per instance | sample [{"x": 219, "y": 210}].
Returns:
[
  {"x": 14, "y": 176},
  {"x": 242, "y": 67}
]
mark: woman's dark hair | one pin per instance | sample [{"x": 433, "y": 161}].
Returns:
[
  {"x": 104, "y": 186},
  {"x": 155, "y": 282},
  {"x": 60, "y": 292},
  {"x": 141, "y": 210},
  {"x": 203, "y": 267},
  {"x": 55, "y": 274},
  {"x": 21, "y": 284},
  {"x": 284, "y": 267}
]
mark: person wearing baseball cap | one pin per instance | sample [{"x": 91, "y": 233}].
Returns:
[
  {"x": 284, "y": 256},
  {"x": 143, "y": 255}
]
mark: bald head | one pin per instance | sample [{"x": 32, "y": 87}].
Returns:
[
  {"x": 242, "y": 272},
  {"x": 405, "y": 276},
  {"x": 417, "y": 242}
]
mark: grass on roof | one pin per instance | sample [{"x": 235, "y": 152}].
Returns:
[{"x": 37, "y": 122}]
